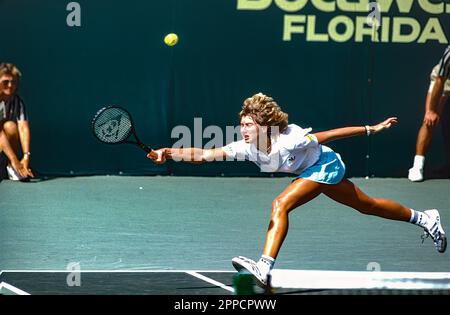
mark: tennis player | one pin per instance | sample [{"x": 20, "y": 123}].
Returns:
[{"x": 276, "y": 146}]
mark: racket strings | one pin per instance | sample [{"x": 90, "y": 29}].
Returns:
[{"x": 112, "y": 125}]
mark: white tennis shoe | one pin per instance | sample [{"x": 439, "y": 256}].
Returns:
[
  {"x": 12, "y": 174},
  {"x": 242, "y": 263},
  {"x": 415, "y": 174},
  {"x": 435, "y": 230}
]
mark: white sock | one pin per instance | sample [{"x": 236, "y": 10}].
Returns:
[
  {"x": 265, "y": 264},
  {"x": 419, "y": 161},
  {"x": 418, "y": 218}
]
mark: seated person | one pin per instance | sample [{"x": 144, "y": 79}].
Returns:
[{"x": 13, "y": 121}]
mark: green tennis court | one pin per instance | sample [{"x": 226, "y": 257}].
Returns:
[{"x": 168, "y": 223}]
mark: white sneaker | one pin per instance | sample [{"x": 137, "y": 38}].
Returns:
[
  {"x": 242, "y": 263},
  {"x": 415, "y": 174},
  {"x": 12, "y": 174},
  {"x": 435, "y": 230}
]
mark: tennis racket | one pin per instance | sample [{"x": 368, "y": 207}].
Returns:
[{"x": 114, "y": 125}]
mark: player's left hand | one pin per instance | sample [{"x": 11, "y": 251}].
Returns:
[{"x": 384, "y": 125}]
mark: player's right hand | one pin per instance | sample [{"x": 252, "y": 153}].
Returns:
[
  {"x": 157, "y": 156},
  {"x": 431, "y": 118}
]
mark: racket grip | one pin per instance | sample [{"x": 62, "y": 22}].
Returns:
[{"x": 145, "y": 148}]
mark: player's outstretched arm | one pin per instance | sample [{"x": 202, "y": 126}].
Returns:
[
  {"x": 190, "y": 155},
  {"x": 346, "y": 132}
]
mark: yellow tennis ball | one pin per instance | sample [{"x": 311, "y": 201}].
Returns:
[{"x": 171, "y": 39}]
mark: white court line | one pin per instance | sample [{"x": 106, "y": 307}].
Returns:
[
  {"x": 11, "y": 288},
  {"x": 212, "y": 281},
  {"x": 194, "y": 273},
  {"x": 321, "y": 279}
]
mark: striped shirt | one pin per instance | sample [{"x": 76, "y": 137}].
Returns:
[
  {"x": 444, "y": 64},
  {"x": 13, "y": 109}
]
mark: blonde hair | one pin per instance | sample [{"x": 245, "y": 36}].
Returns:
[
  {"x": 265, "y": 111},
  {"x": 9, "y": 69}
]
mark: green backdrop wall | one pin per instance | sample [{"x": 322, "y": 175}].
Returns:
[{"x": 225, "y": 54}]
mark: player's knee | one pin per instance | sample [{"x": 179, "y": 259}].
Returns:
[
  {"x": 10, "y": 128},
  {"x": 279, "y": 207}
]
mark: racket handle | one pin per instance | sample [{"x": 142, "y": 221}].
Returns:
[{"x": 145, "y": 148}]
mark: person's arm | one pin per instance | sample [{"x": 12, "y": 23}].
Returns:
[
  {"x": 9, "y": 152},
  {"x": 24, "y": 135},
  {"x": 431, "y": 115},
  {"x": 190, "y": 155},
  {"x": 346, "y": 132}
]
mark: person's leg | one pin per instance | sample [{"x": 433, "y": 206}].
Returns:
[
  {"x": 349, "y": 194},
  {"x": 297, "y": 193},
  {"x": 3, "y": 158},
  {"x": 12, "y": 134},
  {"x": 424, "y": 136},
  {"x": 7, "y": 156},
  {"x": 424, "y": 139}
]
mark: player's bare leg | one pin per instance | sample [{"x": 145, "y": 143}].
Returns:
[
  {"x": 349, "y": 194},
  {"x": 297, "y": 193}
]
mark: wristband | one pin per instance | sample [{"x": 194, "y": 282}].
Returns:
[{"x": 367, "y": 130}]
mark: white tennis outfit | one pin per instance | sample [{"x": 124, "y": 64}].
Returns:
[{"x": 294, "y": 151}]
